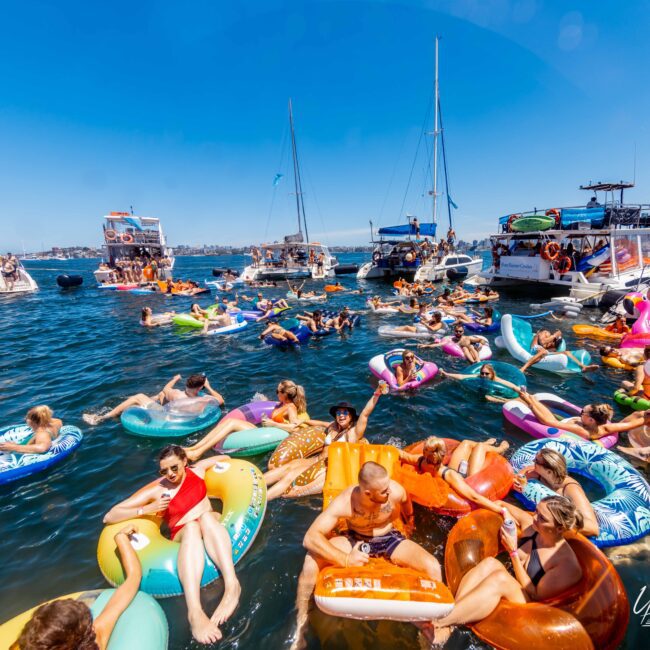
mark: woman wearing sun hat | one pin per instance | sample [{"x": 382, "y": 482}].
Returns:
[{"x": 305, "y": 476}]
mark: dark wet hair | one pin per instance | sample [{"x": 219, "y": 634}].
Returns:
[
  {"x": 196, "y": 381},
  {"x": 488, "y": 311},
  {"x": 60, "y": 625},
  {"x": 172, "y": 450}
]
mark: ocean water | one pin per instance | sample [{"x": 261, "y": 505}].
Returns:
[{"x": 83, "y": 349}]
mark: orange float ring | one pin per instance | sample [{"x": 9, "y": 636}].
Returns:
[
  {"x": 563, "y": 264},
  {"x": 493, "y": 482},
  {"x": 550, "y": 251},
  {"x": 554, "y": 212},
  {"x": 110, "y": 235},
  {"x": 127, "y": 238},
  {"x": 511, "y": 219},
  {"x": 592, "y": 613},
  {"x": 147, "y": 272}
]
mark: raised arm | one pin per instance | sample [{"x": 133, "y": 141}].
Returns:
[
  {"x": 125, "y": 593},
  {"x": 362, "y": 421},
  {"x": 213, "y": 392}
]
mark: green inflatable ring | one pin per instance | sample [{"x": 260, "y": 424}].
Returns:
[
  {"x": 631, "y": 401},
  {"x": 187, "y": 320}
]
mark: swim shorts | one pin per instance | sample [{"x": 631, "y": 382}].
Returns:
[{"x": 382, "y": 546}]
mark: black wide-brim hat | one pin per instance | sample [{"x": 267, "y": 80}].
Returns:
[{"x": 344, "y": 405}]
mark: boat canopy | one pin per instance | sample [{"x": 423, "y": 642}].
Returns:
[{"x": 426, "y": 230}]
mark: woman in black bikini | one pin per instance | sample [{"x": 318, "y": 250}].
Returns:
[{"x": 543, "y": 563}]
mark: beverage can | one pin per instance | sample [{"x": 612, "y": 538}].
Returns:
[
  {"x": 462, "y": 468},
  {"x": 383, "y": 387},
  {"x": 364, "y": 547}
]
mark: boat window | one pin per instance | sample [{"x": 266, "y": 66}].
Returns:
[{"x": 451, "y": 260}]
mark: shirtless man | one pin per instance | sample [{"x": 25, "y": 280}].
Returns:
[
  {"x": 369, "y": 509},
  {"x": 545, "y": 343},
  {"x": 193, "y": 386},
  {"x": 635, "y": 357}
]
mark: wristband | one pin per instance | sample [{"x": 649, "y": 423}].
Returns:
[
  {"x": 512, "y": 554},
  {"x": 140, "y": 512}
]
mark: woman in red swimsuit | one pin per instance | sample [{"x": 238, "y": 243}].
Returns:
[{"x": 181, "y": 495}]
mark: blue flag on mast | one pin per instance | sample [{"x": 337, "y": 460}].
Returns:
[{"x": 277, "y": 178}]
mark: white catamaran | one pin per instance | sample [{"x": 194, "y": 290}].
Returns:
[
  {"x": 295, "y": 256},
  {"x": 584, "y": 251},
  {"x": 414, "y": 255}
]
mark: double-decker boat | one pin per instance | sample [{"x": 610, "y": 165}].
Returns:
[
  {"x": 584, "y": 251},
  {"x": 133, "y": 241}
]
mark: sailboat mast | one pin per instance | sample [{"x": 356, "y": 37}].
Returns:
[
  {"x": 435, "y": 140},
  {"x": 300, "y": 204}
]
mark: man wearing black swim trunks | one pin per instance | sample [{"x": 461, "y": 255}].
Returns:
[{"x": 369, "y": 509}]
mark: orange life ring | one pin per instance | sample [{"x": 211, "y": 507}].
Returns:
[
  {"x": 511, "y": 219},
  {"x": 554, "y": 212},
  {"x": 550, "y": 251},
  {"x": 127, "y": 238},
  {"x": 592, "y": 613},
  {"x": 110, "y": 235},
  {"x": 493, "y": 482},
  {"x": 563, "y": 264},
  {"x": 147, "y": 272}
]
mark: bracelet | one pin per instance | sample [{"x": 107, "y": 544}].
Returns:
[
  {"x": 140, "y": 512},
  {"x": 512, "y": 554}
]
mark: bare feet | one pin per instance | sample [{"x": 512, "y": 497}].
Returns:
[
  {"x": 92, "y": 418},
  {"x": 192, "y": 456},
  {"x": 203, "y": 629},
  {"x": 503, "y": 446},
  {"x": 590, "y": 367},
  {"x": 490, "y": 441},
  {"x": 228, "y": 603},
  {"x": 641, "y": 454},
  {"x": 437, "y": 636}
]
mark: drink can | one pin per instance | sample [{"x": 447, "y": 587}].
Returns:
[{"x": 462, "y": 468}]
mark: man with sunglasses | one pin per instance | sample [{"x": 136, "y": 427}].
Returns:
[{"x": 193, "y": 386}]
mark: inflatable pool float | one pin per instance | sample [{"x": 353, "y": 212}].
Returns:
[
  {"x": 594, "y": 613},
  {"x": 328, "y": 314},
  {"x": 237, "y": 324},
  {"x": 189, "y": 320},
  {"x": 178, "y": 418},
  {"x": 383, "y": 366},
  {"x": 615, "y": 362},
  {"x": 380, "y": 589},
  {"x": 307, "y": 441},
  {"x": 635, "y": 402},
  {"x": 485, "y": 329},
  {"x": 517, "y": 335},
  {"x": 251, "y": 442},
  {"x": 333, "y": 288},
  {"x": 593, "y": 261},
  {"x": 238, "y": 484},
  {"x": 142, "y": 625},
  {"x": 382, "y": 310},
  {"x": 623, "y": 515},
  {"x": 317, "y": 298},
  {"x": 449, "y": 346},
  {"x": 302, "y": 333},
  {"x": 16, "y": 466},
  {"x": 493, "y": 482},
  {"x": 639, "y": 337},
  {"x": 484, "y": 386},
  {"x": 392, "y": 331},
  {"x": 591, "y": 331},
  {"x": 519, "y": 414}
]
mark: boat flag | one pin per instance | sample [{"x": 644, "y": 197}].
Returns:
[
  {"x": 451, "y": 202},
  {"x": 276, "y": 180}
]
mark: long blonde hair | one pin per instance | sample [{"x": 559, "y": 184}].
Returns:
[
  {"x": 295, "y": 393},
  {"x": 555, "y": 462},
  {"x": 39, "y": 416},
  {"x": 564, "y": 512}
]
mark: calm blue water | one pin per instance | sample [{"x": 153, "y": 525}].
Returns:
[{"x": 83, "y": 349}]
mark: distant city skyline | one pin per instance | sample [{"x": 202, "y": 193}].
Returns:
[{"x": 181, "y": 112}]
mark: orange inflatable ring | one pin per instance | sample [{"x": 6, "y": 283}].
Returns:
[
  {"x": 110, "y": 235},
  {"x": 550, "y": 251},
  {"x": 380, "y": 589},
  {"x": 554, "y": 212},
  {"x": 592, "y": 613},
  {"x": 493, "y": 482},
  {"x": 511, "y": 219},
  {"x": 563, "y": 264},
  {"x": 127, "y": 238},
  {"x": 147, "y": 272}
]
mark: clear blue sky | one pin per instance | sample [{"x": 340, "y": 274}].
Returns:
[{"x": 180, "y": 110}]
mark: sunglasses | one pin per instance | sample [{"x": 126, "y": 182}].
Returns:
[
  {"x": 166, "y": 470},
  {"x": 484, "y": 374},
  {"x": 408, "y": 357},
  {"x": 342, "y": 413}
]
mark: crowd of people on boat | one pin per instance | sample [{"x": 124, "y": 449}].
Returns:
[{"x": 137, "y": 269}]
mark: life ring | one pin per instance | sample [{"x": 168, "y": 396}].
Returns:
[
  {"x": 147, "y": 272},
  {"x": 563, "y": 264},
  {"x": 511, "y": 219},
  {"x": 238, "y": 484},
  {"x": 623, "y": 514},
  {"x": 110, "y": 235},
  {"x": 380, "y": 589},
  {"x": 550, "y": 251},
  {"x": 554, "y": 212},
  {"x": 493, "y": 482},
  {"x": 127, "y": 238},
  {"x": 594, "y": 613}
]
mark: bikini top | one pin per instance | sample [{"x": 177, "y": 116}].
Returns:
[{"x": 535, "y": 570}]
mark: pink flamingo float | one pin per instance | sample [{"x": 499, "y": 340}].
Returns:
[{"x": 639, "y": 337}]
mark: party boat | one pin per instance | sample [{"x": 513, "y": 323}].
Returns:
[{"x": 584, "y": 251}]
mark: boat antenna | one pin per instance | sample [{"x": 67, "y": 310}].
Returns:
[
  {"x": 436, "y": 101},
  {"x": 444, "y": 165},
  {"x": 300, "y": 204}
]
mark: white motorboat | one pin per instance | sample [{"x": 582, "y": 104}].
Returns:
[{"x": 19, "y": 281}]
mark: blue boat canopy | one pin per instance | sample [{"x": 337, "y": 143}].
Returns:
[{"x": 426, "y": 230}]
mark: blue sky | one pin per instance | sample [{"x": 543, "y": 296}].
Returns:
[{"x": 180, "y": 110}]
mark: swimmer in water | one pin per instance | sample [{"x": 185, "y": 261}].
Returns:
[{"x": 45, "y": 428}]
